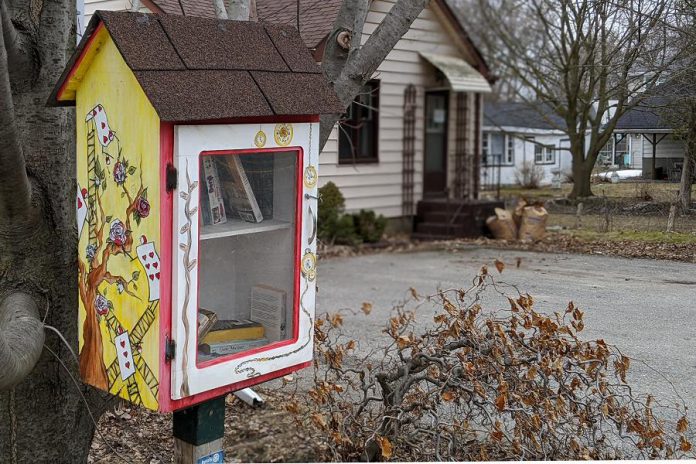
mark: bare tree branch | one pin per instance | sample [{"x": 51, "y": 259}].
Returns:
[
  {"x": 350, "y": 69},
  {"x": 220, "y": 10},
  {"x": 238, "y": 10}
]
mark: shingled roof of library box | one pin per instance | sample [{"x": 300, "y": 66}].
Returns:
[{"x": 198, "y": 69}]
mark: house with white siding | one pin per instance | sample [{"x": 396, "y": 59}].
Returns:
[
  {"x": 518, "y": 139},
  {"x": 414, "y": 133},
  {"x": 653, "y": 145}
]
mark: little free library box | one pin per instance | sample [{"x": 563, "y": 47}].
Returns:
[{"x": 197, "y": 156}]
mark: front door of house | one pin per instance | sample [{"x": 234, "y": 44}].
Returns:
[{"x": 435, "y": 150}]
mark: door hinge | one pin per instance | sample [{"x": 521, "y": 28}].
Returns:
[
  {"x": 172, "y": 177},
  {"x": 170, "y": 349}
]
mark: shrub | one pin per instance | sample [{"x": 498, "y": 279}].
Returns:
[
  {"x": 333, "y": 226},
  {"x": 331, "y": 206},
  {"x": 529, "y": 175},
  {"x": 344, "y": 231},
  {"x": 369, "y": 226}
]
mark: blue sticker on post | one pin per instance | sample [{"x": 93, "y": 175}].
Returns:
[{"x": 214, "y": 458}]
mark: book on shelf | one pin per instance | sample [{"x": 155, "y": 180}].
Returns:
[
  {"x": 213, "y": 205},
  {"x": 268, "y": 308},
  {"x": 237, "y": 189},
  {"x": 206, "y": 321},
  {"x": 260, "y": 171},
  {"x": 230, "y": 347},
  {"x": 233, "y": 330}
]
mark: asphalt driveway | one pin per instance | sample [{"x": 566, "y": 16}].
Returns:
[{"x": 645, "y": 307}]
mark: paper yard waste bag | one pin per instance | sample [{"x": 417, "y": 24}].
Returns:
[
  {"x": 517, "y": 213},
  {"x": 533, "y": 225},
  {"x": 502, "y": 225}
]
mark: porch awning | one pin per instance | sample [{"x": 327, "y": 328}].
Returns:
[{"x": 460, "y": 74}]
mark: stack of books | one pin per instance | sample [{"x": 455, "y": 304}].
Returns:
[{"x": 225, "y": 337}]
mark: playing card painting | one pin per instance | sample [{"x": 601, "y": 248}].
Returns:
[{"x": 119, "y": 265}]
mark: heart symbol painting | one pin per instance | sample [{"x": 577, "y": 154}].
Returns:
[
  {"x": 123, "y": 343},
  {"x": 125, "y": 354},
  {"x": 79, "y": 203},
  {"x": 156, "y": 265},
  {"x": 144, "y": 257},
  {"x": 152, "y": 254},
  {"x": 105, "y": 139},
  {"x": 103, "y": 125},
  {"x": 147, "y": 266},
  {"x": 157, "y": 275},
  {"x": 127, "y": 364},
  {"x": 152, "y": 277}
]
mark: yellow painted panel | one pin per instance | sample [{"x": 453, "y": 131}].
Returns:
[{"x": 118, "y": 221}]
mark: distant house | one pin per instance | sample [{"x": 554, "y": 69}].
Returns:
[
  {"x": 652, "y": 143},
  {"x": 519, "y": 136},
  {"x": 415, "y": 130}
]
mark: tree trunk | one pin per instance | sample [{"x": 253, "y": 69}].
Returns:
[
  {"x": 45, "y": 419},
  {"x": 686, "y": 181},
  {"x": 582, "y": 172}
]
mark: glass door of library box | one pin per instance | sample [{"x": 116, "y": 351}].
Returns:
[{"x": 240, "y": 250}]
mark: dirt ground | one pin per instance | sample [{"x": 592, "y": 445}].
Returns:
[{"x": 268, "y": 433}]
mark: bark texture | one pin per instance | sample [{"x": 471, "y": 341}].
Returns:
[
  {"x": 22, "y": 341},
  {"x": 45, "y": 419}
]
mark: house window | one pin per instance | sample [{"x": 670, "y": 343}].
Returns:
[
  {"x": 544, "y": 154},
  {"x": 358, "y": 129},
  {"x": 498, "y": 149},
  {"x": 605, "y": 156},
  {"x": 510, "y": 151}
]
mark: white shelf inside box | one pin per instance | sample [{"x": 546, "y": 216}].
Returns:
[{"x": 239, "y": 227}]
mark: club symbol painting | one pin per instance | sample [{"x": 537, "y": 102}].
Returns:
[{"x": 118, "y": 280}]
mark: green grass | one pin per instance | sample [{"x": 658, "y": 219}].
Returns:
[
  {"x": 637, "y": 190},
  {"x": 636, "y": 236}
]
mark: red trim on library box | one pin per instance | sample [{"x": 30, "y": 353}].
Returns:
[
  {"x": 252, "y": 120},
  {"x": 298, "y": 250},
  {"x": 166, "y": 252},
  {"x": 78, "y": 62}
]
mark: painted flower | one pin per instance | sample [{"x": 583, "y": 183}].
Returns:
[
  {"x": 101, "y": 304},
  {"x": 117, "y": 234},
  {"x": 119, "y": 172},
  {"x": 142, "y": 207},
  {"x": 91, "y": 251}
]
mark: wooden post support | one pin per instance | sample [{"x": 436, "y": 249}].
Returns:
[{"x": 198, "y": 433}]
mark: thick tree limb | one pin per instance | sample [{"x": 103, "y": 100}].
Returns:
[
  {"x": 238, "y": 10},
  {"x": 349, "y": 70},
  {"x": 220, "y": 10},
  {"x": 15, "y": 189},
  {"x": 21, "y": 338}
]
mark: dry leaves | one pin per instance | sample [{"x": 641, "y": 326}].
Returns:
[{"x": 385, "y": 446}]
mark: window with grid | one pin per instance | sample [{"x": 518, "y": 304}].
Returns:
[
  {"x": 544, "y": 154},
  {"x": 359, "y": 128}
]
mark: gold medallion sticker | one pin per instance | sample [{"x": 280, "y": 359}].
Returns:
[
  {"x": 260, "y": 139},
  {"x": 310, "y": 177},
  {"x": 283, "y": 134},
  {"x": 309, "y": 263}
]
